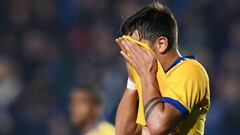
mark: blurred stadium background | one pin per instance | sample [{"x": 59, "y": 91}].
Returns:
[{"x": 48, "y": 46}]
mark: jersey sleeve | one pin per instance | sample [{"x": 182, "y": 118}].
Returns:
[{"x": 186, "y": 89}]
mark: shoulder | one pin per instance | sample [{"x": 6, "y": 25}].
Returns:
[
  {"x": 189, "y": 69},
  {"x": 106, "y": 128},
  {"x": 190, "y": 65},
  {"x": 104, "y": 124}
]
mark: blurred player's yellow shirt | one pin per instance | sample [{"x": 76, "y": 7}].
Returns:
[
  {"x": 103, "y": 128},
  {"x": 185, "y": 85}
]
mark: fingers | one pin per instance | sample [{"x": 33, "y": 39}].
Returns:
[
  {"x": 132, "y": 50},
  {"x": 137, "y": 49},
  {"x": 125, "y": 46},
  {"x": 149, "y": 53},
  {"x": 140, "y": 58},
  {"x": 120, "y": 44},
  {"x": 129, "y": 45},
  {"x": 127, "y": 58}
]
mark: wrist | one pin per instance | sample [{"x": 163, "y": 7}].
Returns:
[
  {"x": 149, "y": 80},
  {"x": 131, "y": 85},
  {"x": 131, "y": 78},
  {"x": 147, "y": 76}
]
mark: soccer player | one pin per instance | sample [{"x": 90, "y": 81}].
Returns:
[
  {"x": 85, "y": 110},
  {"x": 180, "y": 106}
]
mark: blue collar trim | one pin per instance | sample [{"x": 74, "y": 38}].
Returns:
[{"x": 178, "y": 60}]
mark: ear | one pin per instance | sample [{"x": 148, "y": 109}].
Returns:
[{"x": 161, "y": 44}]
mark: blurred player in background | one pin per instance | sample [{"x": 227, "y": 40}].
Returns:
[
  {"x": 85, "y": 109},
  {"x": 180, "y": 107}
]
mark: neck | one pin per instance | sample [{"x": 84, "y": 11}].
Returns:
[
  {"x": 87, "y": 126},
  {"x": 168, "y": 58}
]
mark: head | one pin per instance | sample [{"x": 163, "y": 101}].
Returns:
[
  {"x": 85, "y": 106},
  {"x": 154, "y": 24}
]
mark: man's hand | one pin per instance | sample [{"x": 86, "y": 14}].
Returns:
[
  {"x": 120, "y": 43},
  {"x": 141, "y": 59}
]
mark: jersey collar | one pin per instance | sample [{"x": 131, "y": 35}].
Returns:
[{"x": 178, "y": 60}]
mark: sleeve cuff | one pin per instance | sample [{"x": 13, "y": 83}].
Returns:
[{"x": 176, "y": 104}]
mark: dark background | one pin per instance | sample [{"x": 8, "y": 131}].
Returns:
[{"x": 48, "y": 46}]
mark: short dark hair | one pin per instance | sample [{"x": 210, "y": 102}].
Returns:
[
  {"x": 95, "y": 95},
  {"x": 152, "y": 22}
]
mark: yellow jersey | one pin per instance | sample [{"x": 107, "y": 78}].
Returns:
[
  {"x": 103, "y": 128},
  {"x": 185, "y": 85}
]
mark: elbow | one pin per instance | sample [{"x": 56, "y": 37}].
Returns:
[
  {"x": 121, "y": 131},
  {"x": 125, "y": 130},
  {"x": 158, "y": 129}
]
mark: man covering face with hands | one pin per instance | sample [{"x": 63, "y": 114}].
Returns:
[{"x": 166, "y": 93}]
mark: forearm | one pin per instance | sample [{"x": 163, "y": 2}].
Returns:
[
  {"x": 154, "y": 118},
  {"x": 150, "y": 88},
  {"x": 127, "y": 114},
  {"x": 159, "y": 121}
]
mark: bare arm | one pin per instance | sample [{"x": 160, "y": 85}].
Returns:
[
  {"x": 164, "y": 116},
  {"x": 127, "y": 114},
  {"x": 127, "y": 110}
]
